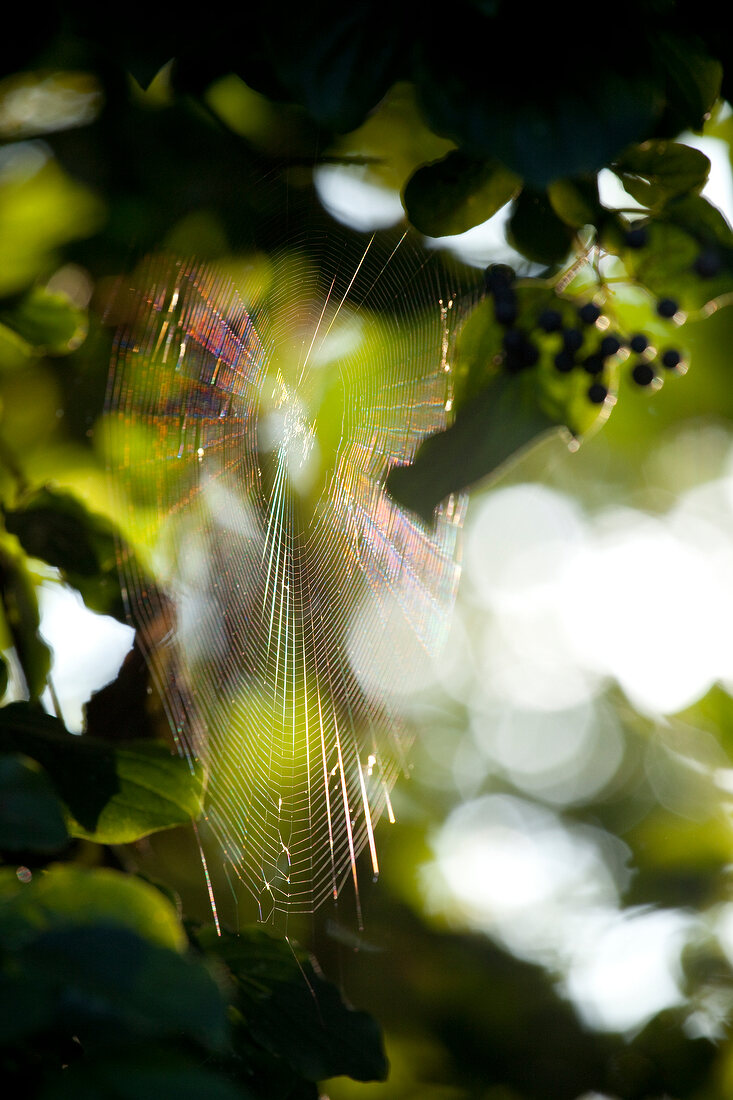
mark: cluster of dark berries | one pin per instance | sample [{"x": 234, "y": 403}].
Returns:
[
  {"x": 518, "y": 350},
  {"x": 573, "y": 351},
  {"x": 580, "y": 343},
  {"x": 499, "y": 280},
  {"x": 645, "y": 370}
]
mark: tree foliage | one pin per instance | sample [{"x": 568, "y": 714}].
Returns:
[{"x": 153, "y": 136}]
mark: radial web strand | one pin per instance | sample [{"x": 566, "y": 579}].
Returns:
[{"x": 251, "y": 424}]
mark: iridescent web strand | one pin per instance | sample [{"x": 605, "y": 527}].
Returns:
[{"x": 293, "y": 598}]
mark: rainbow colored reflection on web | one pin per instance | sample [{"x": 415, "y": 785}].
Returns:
[{"x": 250, "y": 430}]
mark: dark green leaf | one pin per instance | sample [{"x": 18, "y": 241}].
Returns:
[
  {"x": 83, "y": 772},
  {"x": 66, "y": 894},
  {"x": 535, "y": 230},
  {"x": 547, "y": 129},
  {"x": 114, "y": 794},
  {"x": 455, "y": 193},
  {"x": 53, "y": 525},
  {"x": 20, "y": 605},
  {"x": 261, "y": 1073},
  {"x": 48, "y": 322},
  {"x": 31, "y": 816},
  {"x": 141, "y": 1073},
  {"x": 290, "y": 1008},
  {"x": 657, "y": 171},
  {"x": 691, "y": 79},
  {"x": 26, "y": 1007},
  {"x": 497, "y": 427},
  {"x": 102, "y": 982},
  {"x": 337, "y": 60}
]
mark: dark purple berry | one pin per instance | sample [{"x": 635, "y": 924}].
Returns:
[
  {"x": 550, "y": 320},
  {"x": 671, "y": 358},
  {"x": 593, "y": 364},
  {"x": 530, "y": 354},
  {"x": 513, "y": 339},
  {"x": 520, "y": 352},
  {"x": 667, "y": 307},
  {"x": 572, "y": 339},
  {"x": 597, "y": 393},
  {"x": 609, "y": 346},
  {"x": 708, "y": 263},
  {"x": 505, "y": 308},
  {"x": 643, "y": 374},
  {"x": 520, "y": 360},
  {"x": 589, "y": 313},
  {"x": 498, "y": 277},
  {"x": 564, "y": 361},
  {"x": 638, "y": 343},
  {"x": 637, "y": 236}
]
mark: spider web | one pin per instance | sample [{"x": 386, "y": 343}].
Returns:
[{"x": 252, "y": 422}]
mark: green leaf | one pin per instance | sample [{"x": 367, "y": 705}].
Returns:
[
  {"x": 657, "y": 171},
  {"x": 535, "y": 230},
  {"x": 576, "y": 202},
  {"x": 48, "y": 322},
  {"x": 41, "y": 208},
  {"x": 703, "y": 221},
  {"x": 31, "y": 816},
  {"x": 67, "y": 893},
  {"x": 15, "y": 353},
  {"x": 18, "y": 598},
  {"x": 293, "y": 1011},
  {"x": 666, "y": 265},
  {"x": 156, "y": 791},
  {"x": 113, "y": 794},
  {"x": 103, "y": 982},
  {"x": 453, "y": 194},
  {"x": 53, "y": 525},
  {"x": 494, "y": 429}
]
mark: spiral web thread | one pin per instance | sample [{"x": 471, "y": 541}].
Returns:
[{"x": 294, "y": 598}]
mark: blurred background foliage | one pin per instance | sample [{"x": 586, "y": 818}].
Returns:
[{"x": 554, "y": 916}]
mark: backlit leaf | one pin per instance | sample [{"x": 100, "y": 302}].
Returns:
[
  {"x": 114, "y": 794},
  {"x": 455, "y": 193},
  {"x": 57, "y": 527},
  {"x": 67, "y": 894}
]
